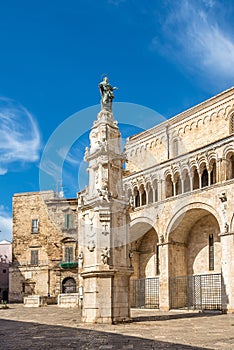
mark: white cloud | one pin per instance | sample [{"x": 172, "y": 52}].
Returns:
[
  {"x": 3, "y": 171},
  {"x": 52, "y": 169},
  {"x": 5, "y": 224},
  {"x": 19, "y": 135},
  {"x": 193, "y": 37}
]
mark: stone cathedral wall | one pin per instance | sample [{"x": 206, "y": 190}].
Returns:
[{"x": 195, "y": 128}]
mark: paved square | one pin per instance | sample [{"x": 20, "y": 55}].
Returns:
[{"x": 57, "y": 328}]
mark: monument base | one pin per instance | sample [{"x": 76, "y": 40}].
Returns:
[{"x": 106, "y": 297}]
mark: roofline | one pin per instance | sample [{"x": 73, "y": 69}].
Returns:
[{"x": 188, "y": 112}]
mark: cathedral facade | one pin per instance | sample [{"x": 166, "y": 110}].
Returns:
[
  {"x": 158, "y": 234},
  {"x": 180, "y": 177}
]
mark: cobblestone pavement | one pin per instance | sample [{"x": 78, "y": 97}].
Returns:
[{"x": 57, "y": 328}]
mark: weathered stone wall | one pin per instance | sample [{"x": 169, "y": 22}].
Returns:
[
  {"x": 198, "y": 246},
  {"x": 45, "y": 276},
  {"x": 193, "y": 129}
]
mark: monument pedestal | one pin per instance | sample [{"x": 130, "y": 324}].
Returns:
[{"x": 106, "y": 297}]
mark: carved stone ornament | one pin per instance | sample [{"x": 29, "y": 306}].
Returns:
[
  {"x": 105, "y": 255},
  {"x": 226, "y": 227},
  {"x": 91, "y": 246},
  {"x": 162, "y": 239},
  {"x": 105, "y": 230},
  {"x": 81, "y": 259}
]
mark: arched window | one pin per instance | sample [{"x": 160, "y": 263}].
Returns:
[
  {"x": 230, "y": 167},
  {"x": 155, "y": 187},
  {"x": 169, "y": 186},
  {"x": 231, "y": 125},
  {"x": 186, "y": 182},
  {"x": 213, "y": 173},
  {"x": 195, "y": 179},
  {"x": 150, "y": 194},
  {"x": 69, "y": 285},
  {"x": 204, "y": 178},
  {"x": 178, "y": 184},
  {"x": 136, "y": 197},
  {"x": 143, "y": 195}
]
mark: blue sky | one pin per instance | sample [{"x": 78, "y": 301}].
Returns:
[{"x": 164, "y": 55}]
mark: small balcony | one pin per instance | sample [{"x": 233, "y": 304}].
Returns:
[{"x": 68, "y": 265}]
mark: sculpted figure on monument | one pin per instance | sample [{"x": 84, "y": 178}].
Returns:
[
  {"x": 105, "y": 255},
  {"x": 107, "y": 94}
]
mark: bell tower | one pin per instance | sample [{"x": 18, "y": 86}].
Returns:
[{"x": 104, "y": 263}]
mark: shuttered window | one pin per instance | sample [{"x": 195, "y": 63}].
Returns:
[
  {"x": 34, "y": 257},
  {"x": 68, "y": 221},
  {"x": 68, "y": 254}
]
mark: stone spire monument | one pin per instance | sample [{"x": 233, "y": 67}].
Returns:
[{"x": 104, "y": 263}]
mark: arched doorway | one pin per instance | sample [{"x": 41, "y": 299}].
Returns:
[
  {"x": 69, "y": 285},
  {"x": 144, "y": 290},
  {"x": 195, "y": 260}
]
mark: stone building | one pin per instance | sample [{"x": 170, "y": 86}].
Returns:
[
  {"x": 180, "y": 178},
  {"x": 159, "y": 234},
  {"x": 44, "y": 245},
  {"x": 5, "y": 260}
]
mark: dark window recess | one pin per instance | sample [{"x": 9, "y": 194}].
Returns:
[
  {"x": 204, "y": 178},
  {"x": 69, "y": 285},
  {"x": 137, "y": 199},
  {"x": 4, "y": 271},
  {"x": 68, "y": 254},
  {"x": 157, "y": 261},
  {"x": 35, "y": 226},
  {"x": 211, "y": 252},
  {"x": 143, "y": 198},
  {"x": 150, "y": 196},
  {"x": 34, "y": 257}
]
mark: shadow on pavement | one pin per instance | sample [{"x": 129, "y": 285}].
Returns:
[
  {"x": 174, "y": 316},
  {"x": 27, "y": 335}
]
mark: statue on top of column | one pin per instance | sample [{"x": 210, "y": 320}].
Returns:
[{"x": 107, "y": 94}]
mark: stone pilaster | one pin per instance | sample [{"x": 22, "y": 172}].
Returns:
[{"x": 227, "y": 243}]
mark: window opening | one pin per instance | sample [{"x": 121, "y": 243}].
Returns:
[
  {"x": 204, "y": 178},
  {"x": 35, "y": 226},
  {"x": 34, "y": 257},
  {"x": 211, "y": 252},
  {"x": 68, "y": 254},
  {"x": 68, "y": 221}
]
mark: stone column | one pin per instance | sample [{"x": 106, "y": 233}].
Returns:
[
  {"x": 219, "y": 170},
  {"x": 174, "y": 188},
  {"x": 182, "y": 184},
  {"x": 209, "y": 176},
  {"x": 164, "y": 297},
  {"x": 200, "y": 179},
  {"x": 191, "y": 181}
]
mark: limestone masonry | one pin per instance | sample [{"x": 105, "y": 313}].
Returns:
[{"x": 158, "y": 234}]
